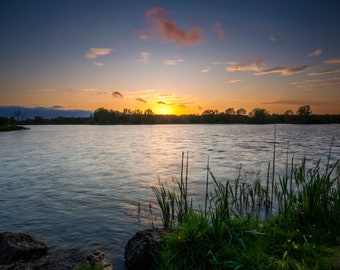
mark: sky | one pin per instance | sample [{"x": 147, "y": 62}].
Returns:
[{"x": 175, "y": 57}]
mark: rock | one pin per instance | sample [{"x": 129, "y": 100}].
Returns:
[
  {"x": 20, "y": 251},
  {"x": 140, "y": 249},
  {"x": 97, "y": 258},
  {"x": 20, "y": 247},
  {"x": 64, "y": 259}
]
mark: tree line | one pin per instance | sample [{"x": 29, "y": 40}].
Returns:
[{"x": 102, "y": 116}]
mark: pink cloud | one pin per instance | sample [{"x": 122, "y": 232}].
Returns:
[
  {"x": 219, "y": 30},
  {"x": 166, "y": 29}
]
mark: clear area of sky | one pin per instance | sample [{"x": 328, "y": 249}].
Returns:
[{"x": 171, "y": 56}]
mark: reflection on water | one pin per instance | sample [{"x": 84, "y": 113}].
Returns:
[{"x": 80, "y": 186}]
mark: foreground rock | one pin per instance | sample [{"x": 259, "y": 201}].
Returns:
[
  {"x": 140, "y": 249},
  {"x": 20, "y": 251},
  {"x": 20, "y": 247}
]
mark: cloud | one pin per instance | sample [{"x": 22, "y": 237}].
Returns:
[
  {"x": 181, "y": 106},
  {"x": 332, "y": 61},
  {"x": 172, "y": 62},
  {"x": 205, "y": 70},
  {"x": 141, "y": 100},
  {"x": 324, "y": 72},
  {"x": 219, "y": 31},
  {"x": 273, "y": 38},
  {"x": 305, "y": 81},
  {"x": 284, "y": 71},
  {"x": 234, "y": 81},
  {"x": 145, "y": 56},
  {"x": 166, "y": 29},
  {"x": 315, "y": 53},
  {"x": 94, "y": 52},
  {"x": 117, "y": 95},
  {"x": 252, "y": 64},
  {"x": 299, "y": 102},
  {"x": 98, "y": 64},
  {"x": 161, "y": 102}
]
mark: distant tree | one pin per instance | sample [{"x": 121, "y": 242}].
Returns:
[
  {"x": 304, "y": 110},
  {"x": 289, "y": 112},
  {"x": 101, "y": 116},
  {"x": 241, "y": 111},
  {"x": 148, "y": 112},
  {"x": 259, "y": 116},
  {"x": 18, "y": 115},
  {"x": 229, "y": 111}
]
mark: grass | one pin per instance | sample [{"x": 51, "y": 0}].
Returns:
[{"x": 290, "y": 224}]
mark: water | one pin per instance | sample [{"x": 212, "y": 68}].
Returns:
[{"x": 80, "y": 186}]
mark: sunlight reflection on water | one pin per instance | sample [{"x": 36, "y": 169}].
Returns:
[{"x": 80, "y": 186}]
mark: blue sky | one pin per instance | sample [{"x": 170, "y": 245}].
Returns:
[{"x": 171, "y": 56}]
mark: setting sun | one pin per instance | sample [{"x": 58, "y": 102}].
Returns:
[{"x": 164, "y": 109}]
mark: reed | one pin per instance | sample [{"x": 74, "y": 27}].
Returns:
[{"x": 279, "y": 225}]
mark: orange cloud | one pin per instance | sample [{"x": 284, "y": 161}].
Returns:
[
  {"x": 252, "y": 64},
  {"x": 94, "y": 52},
  {"x": 323, "y": 72},
  {"x": 161, "y": 102},
  {"x": 167, "y": 29},
  {"x": 332, "y": 61},
  {"x": 117, "y": 94},
  {"x": 284, "y": 71},
  {"x": 219, "y": 30}
]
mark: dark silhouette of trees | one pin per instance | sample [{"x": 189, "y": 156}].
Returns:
[
  {"x": 259, "y": 116},
  {"x": 102, "y": 116},
  {"x": 241, "y": 111},
  {"x": 304, "y": 110},
  {"x": 18, "y": 115}
]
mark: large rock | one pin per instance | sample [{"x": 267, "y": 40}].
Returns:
[
  {"x": 17, "y": 247},
  {"x": 141, "y": 248}
]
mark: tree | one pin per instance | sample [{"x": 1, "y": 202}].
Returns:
[
  {"x": 304, "y": 110},
  {"x": 241, "y": 111},
  {"x": 18, "y": 115},
  {"x": 289, "y": 112},
  {"x": 259, "y": 116},
  {"x": 101, "y": 116},
  {"x": 230, "y": 111}
]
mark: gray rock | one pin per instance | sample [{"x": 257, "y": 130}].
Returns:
[
  {"x": 141, "y": 248},
  {"x": 20, "y": 247}
]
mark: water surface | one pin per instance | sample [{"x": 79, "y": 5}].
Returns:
[{"x": 80, "y": 186}]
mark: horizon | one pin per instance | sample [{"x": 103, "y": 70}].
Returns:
[{"x": 174, "y": 58}]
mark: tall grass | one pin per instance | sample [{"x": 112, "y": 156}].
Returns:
[{"x": 239, "y": 229}]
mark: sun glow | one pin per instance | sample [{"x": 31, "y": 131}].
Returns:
[{"x": 164, "y": 109}]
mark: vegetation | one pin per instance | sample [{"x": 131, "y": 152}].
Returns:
[
  {"x": 102, "y": 116},
  {"x": 292, "y": 224},
  {"x": 87, "y": 266},
  {"x": 11, "y": 128}
]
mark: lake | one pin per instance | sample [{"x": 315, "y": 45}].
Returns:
[{"x": 80, "y": 186}]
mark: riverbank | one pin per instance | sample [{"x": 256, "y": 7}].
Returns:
[{"x": 12, "y": 128}]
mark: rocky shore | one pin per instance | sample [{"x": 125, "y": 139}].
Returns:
[{"x": 20, "y": 251}]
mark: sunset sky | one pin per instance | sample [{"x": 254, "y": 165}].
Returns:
[{"x": 171, "y": 56}]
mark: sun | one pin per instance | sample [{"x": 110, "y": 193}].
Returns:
[{"x": 164, "y": 109}]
